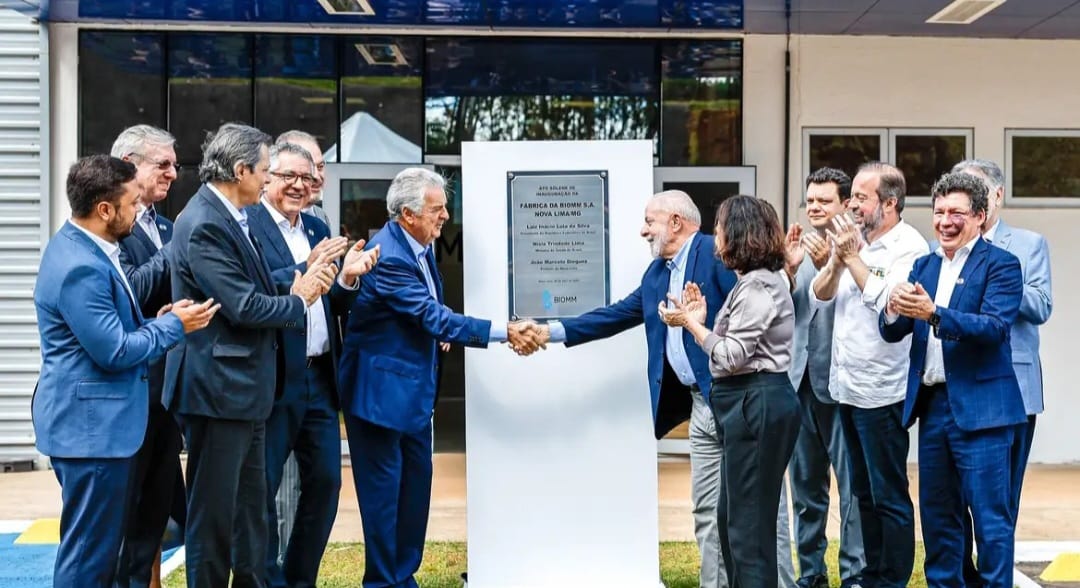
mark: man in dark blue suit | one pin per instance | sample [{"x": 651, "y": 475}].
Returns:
[
  {"x": 90, "y": 407},
  {"x": 157, "y": 475},
  {"x": 388, "y": 378},
  {"x": 222, "y": 382},
  {"x": 304, "y": 420},
  {"x": 678, "y": 370},
  {"x": 959, "y": 304}
]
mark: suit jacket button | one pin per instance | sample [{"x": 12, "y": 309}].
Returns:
[{"x": 144, "y": 377}]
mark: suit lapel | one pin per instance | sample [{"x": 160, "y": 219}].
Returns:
[
  {"x": 269, "y": 231},
  {"x": 96, "y": 251},
  {"x": 144, "y": 239},
  {"x": 247, "y": 246},
  {"x": 164, "y": 228},
  {"x": 1004, "y": 235}
]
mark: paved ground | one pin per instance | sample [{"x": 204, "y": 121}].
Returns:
[{"x": 1050, "y": 510}]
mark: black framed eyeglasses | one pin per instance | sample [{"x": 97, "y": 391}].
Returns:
[
  {"x": 290, "y": 177},
  {"x": 161, "y": 164}
]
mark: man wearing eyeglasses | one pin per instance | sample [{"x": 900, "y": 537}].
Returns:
[
  {"x": 872, "y": 250},
  {"x": 304, "y": 420},
  {"x": 311, "y": 144},
  {"x": 157, "y": 474},
  {"x": 959, "y": 304}
]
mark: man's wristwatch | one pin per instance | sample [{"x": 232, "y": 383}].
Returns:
[{"x": 934, "y": 320}]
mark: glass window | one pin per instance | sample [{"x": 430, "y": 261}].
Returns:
[
  {"x": 924, "y": 155},
  {"x": 209, "y": 84},
  {"x": 702, "y": 103},
  {"x": 843, "y": 149},
  {"x": 539, "y": 89},
  {"x": 121, "y": 83},
  {"x": 382, "y": 113},
  {"x": 296, "y": 85},
  {"x": 1043, "y": 164}
]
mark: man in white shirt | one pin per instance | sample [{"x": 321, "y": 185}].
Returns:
[
  {"x": 304, "y": 419},
  {"x": 873, "y": 249}
]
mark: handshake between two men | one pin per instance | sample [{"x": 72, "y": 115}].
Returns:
[{"x": 526, "y": 337}]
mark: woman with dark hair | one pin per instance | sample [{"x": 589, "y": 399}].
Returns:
[{"x": 754, "y": 404}]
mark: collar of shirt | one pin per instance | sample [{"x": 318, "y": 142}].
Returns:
[
  {"x": 281, "y": 221},
  {"x": 961, "y": 253},
  {"x": 110, "y": 249},
  {"x": 679, "y": 261},
  {"x": 992, "y": 232},
  {"x": 417, "y": 248},
  {"x": 145, "y": 215},
  {"x": 236, "y": 214},
  {"x": 891, "y": 238}
]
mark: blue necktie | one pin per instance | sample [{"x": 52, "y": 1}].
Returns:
[{"x": 422, "y": 260}]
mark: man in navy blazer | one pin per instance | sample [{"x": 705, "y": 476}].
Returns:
[
  {"x": 223, "y": 381},
  {"x": 90, "y": 406},
  {"x": 388, "y": 373},
  {"x": 678, "y": 370},
  {"x": 304, "y": 419},
  {"x": 959, "y": 304},
  {"x": 158, "y": 477}
]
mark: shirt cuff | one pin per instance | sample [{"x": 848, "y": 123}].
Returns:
[
  {"x": 341, "y": 282},
  {"x": 891, "y": 318},
  {"x": 557, "y": 331},
  {"x": 497, "y": 333}
]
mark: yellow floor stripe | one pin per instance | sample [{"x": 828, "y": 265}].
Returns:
[
  {"x": 1064, "y": 568},
  {"x": 41, "y": 532}
]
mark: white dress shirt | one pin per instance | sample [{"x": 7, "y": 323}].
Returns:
[
  {"x": 112, "y": 251},
  {"x": 318, "y": 333},
  {"x": 934, "y": 369},
  {"x": 867, "y": 372}
]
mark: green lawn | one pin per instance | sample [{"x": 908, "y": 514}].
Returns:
[{"x": 343, "y": 566}]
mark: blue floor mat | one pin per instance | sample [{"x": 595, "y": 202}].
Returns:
[{"x": 25, "y": 566}]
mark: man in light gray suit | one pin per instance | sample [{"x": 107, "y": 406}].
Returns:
[
  {"x": 1034, "y": 254},
  {"x": 821, "y": 439}
]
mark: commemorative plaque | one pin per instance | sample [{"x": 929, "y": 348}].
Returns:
[{"x": 558, "y": 240}]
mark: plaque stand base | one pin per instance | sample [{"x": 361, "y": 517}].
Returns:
[{"x": 465, "y": 581}]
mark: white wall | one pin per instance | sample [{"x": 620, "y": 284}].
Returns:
[
  {"x": 987, "y": 85},
  {"x": 64, "y": 110}
]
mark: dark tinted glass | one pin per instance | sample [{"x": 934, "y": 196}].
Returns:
[
  {"x": 1045, "y": 167},
  {"x": 844, "y": 152},
  {"x": 924, "y": 158},
  {"x": 707, "y": 196},
  {"x": 383, "y": 110},
  {"x": 209, "y": 84},
  {"x": 702, "y": 103},
  {"x": 121, "y": 83},
  {"x": 296, "y": 85},
  {"x": 538, "y": 89}
]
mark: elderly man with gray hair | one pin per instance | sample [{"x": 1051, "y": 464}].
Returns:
[
  {"x": 387, "y": 375},
  {"x": 222, "y": 383}
]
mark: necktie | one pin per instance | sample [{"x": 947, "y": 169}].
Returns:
[{"x": 247, "y": 233}]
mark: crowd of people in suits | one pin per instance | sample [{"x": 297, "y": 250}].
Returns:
[{"x": 244, "y": 329}]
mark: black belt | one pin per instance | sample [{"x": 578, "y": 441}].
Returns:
[{"x": 319, "y": 360}]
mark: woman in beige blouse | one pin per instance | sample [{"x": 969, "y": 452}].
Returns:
[{"x": 755, "y": 407}]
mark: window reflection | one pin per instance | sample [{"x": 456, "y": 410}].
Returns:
[
  {"x": 381, "y": 118},
  {"x": 296, "y": 85},
  {"x": 209, "y": 84},
  {"x": 924, "y": 158},
  {"x": 121, "y": 83},
  {"x": 1045, "y": 167},
  {"x": 497, "y": 90},
  {"x": 844, "y": 152},
  {"x": 702, "y": 104}
]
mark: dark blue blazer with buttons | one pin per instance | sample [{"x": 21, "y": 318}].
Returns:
[{"x": 974, "y": 333}]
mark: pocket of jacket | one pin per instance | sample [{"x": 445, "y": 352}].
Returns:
[
  {"x": 231, "y": 350},
  {"x": 396, "y": 366},
  {"x": 101, "y": 390}
]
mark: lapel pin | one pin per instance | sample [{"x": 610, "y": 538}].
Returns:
[
  {"x": 959, "y": 281},
  {"x": 311, "y": 232}
]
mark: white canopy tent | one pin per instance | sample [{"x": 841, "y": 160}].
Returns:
[{"x": 366, "y": 140}]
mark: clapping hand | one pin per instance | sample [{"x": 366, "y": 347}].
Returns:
[
  {"x": 794, "y": 252},
  {"x": 847, "y": 240},
  {"x": 192, "y": 316},
  {"x": 818, "y": 248},
  {"x": 332, "y": 248},
  {"x": 316, "y": 281},
  {"x": 911, "y": 301},
  {"x": 692, "y": 307},
  {"x": 358, "y": 262}
]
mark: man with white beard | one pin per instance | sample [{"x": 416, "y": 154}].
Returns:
[
  {"x": 678, "y": 370},
  {"x": 872, "y": 251}
]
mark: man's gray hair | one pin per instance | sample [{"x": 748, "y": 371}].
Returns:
[
  {"x": 680, "y": 203},
  {"x": 408, "y": 190},
  {"x": 296, "y": 136},
  {"x": 137, "y": 138},
  {"x": 232, "y": 144},
  {"x": 989, "y": 171},
  {"x": 280, "y": 148}
]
